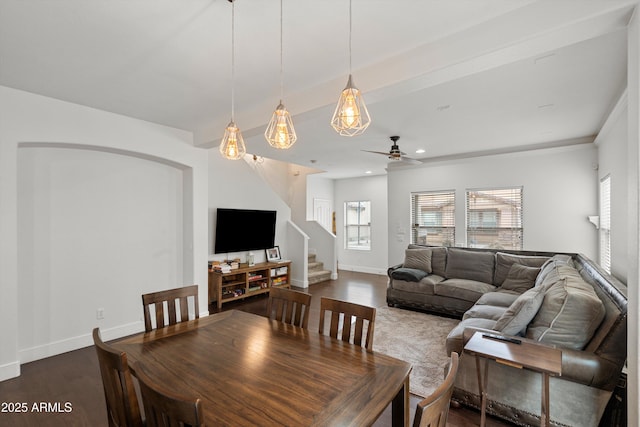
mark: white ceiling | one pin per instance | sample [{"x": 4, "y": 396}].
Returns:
[{"x": 454, "y": 77}]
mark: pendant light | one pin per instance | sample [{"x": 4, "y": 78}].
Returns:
[
  {"x": 351, "y": 117},
  {"x": 280, "y": 132},
  {"x": 232, "y": 145}
]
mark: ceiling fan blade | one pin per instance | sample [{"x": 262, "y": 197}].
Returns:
[
  {"x": 376, "y": 152},
  {"x": 411, "y": 161}
]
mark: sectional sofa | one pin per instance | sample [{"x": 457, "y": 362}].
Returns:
[{"x": 550, "y": 299}]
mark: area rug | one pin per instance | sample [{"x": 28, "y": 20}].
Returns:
[{"x": 417, "y": 338}]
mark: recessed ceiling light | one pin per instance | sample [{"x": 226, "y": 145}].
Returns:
[
  {"x": 420, "y": 150},
  {"x": 368, "y": 172}
]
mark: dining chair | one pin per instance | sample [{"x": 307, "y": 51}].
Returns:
[
  {"x": 119, "y": 391},
  {"x": 163, "y": 407},
  {"x": 173, "y": 298},
  {"x": 434, "y": 409},
  {"x": 346, "y": 311},
  {"x": 289, "y": 306}
]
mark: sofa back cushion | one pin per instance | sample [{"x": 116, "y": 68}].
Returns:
[
  {"x": 504, "y": 261},
  {"x": 520, "y": 278},
  {"x": 570, "y": 312},
  {"x": 471, "y": 265},
  {"x": 419, "y": 259},
  {"x": 438, "y": 258}
]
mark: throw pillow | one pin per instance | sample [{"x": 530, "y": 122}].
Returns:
[
  {"x": 418, "y": 258},
  {"x": 514, "y": 321},
  {"x": 408, "y": 274},
  {"x": 505, "y": 260},
  {"x": 520, "y": 278}
]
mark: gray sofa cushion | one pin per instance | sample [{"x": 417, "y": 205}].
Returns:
[
  {"x": 504, "y": 261},
  {"x": 550, "y": 265},
  {"x": 471, "y": 265},
  {"x": 570, "y": 312},
  {"x": 520, "y": 278},
  {"x": 499, "y": 298},
  {"x": 419, "y": 259},
  {"x": 408, "y": 274},
  {"x": 455, "y": 340},
  {"x": 438, "y": 258},
  {"x": 464, "y": 289},
  {"x": 514, "y": 321},
  {"x": 492, "y": 312}
]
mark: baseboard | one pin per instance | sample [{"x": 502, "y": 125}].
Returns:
[
  {"x": 300, "y": 283},
  {"x": 9, "y": 370},
  {"x": 361, "y": 269},
  {"x": 74, "y": 343}
]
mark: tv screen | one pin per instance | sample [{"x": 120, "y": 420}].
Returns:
[{"x": 240, "y": 230}]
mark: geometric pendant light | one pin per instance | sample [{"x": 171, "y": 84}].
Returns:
[
  {"x": 232, "y": 145},
  {"x": 351, "y": 116},
  {"x": 280, "y": 132}
]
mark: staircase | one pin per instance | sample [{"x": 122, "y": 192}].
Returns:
[{"x": 317, "y": 273}]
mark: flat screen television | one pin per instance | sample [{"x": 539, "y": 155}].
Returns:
[{"x": 240, "y": 230}]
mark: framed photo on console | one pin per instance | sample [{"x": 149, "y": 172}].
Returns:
[{"x": 273, "y": 254}]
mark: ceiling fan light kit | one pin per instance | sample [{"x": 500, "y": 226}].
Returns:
[
  {"x": 232, "y": 145},
  {"x": 351, "y": 117}
]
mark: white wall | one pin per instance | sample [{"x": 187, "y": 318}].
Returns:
[
  {"x": 612, "y": 161},
  {"x": 95, "y": 209},
  {"x": 558, "y": 195},
  {"x": 319, "y": 188},
  {"x": 374, "y": 189},
  {"x": 237, "y": 185}
]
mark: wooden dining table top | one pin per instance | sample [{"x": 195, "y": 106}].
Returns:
[{"x": 250, "y": 370}]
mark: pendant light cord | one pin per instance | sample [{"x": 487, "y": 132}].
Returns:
[
  {"x": 281, "y": 67},
  {"x": 349, "y": 36},
  {"x": 233, "y": 60}
]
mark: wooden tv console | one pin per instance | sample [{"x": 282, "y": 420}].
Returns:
[{"x": 244, "y": 282}]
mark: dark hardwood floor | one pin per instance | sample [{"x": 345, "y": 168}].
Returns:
[{"x": 67, "y": 390}]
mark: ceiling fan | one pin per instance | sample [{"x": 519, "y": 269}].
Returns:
[{"x": 395, "y": 154}]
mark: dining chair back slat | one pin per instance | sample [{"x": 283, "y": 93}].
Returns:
[
  {"x": 165, "y": 408},
  {"x": 120, "y": 395},
  {"x": 342, "y": 313},
  {"x": 171, "y": 298},
  {"x": 289, "y": 306},
  {"x": 433, "y": 411}
]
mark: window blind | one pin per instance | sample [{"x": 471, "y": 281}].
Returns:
[
  {"x": 605, "y": 223},
  {"x": 494, "y": 218},
  {"x": 433, "y": 218}
]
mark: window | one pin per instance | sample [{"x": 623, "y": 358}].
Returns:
[
  {"x": 494, "y": 218},
  {"x": 433, "y": 218},
  {"x": 605, "y": 223},
  {"x": 357, "y": 221}
]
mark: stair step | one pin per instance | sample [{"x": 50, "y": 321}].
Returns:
[
  {"x": 315, "y": 266},
  {"x": 319, "y": 276},
  {"x": 311, "y": 258}
]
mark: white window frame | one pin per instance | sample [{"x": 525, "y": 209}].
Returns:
[
  {"x": 442, "y": 203},
  {"x": 363, "y": 239},
  {"x": 604, "y": 229},
  {"x": 505, "y": 206}
]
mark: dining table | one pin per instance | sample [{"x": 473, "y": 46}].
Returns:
[{"x": 249, "y": 370}]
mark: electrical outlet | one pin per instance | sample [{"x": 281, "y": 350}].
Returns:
[{"x": 100, "y": 313}]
